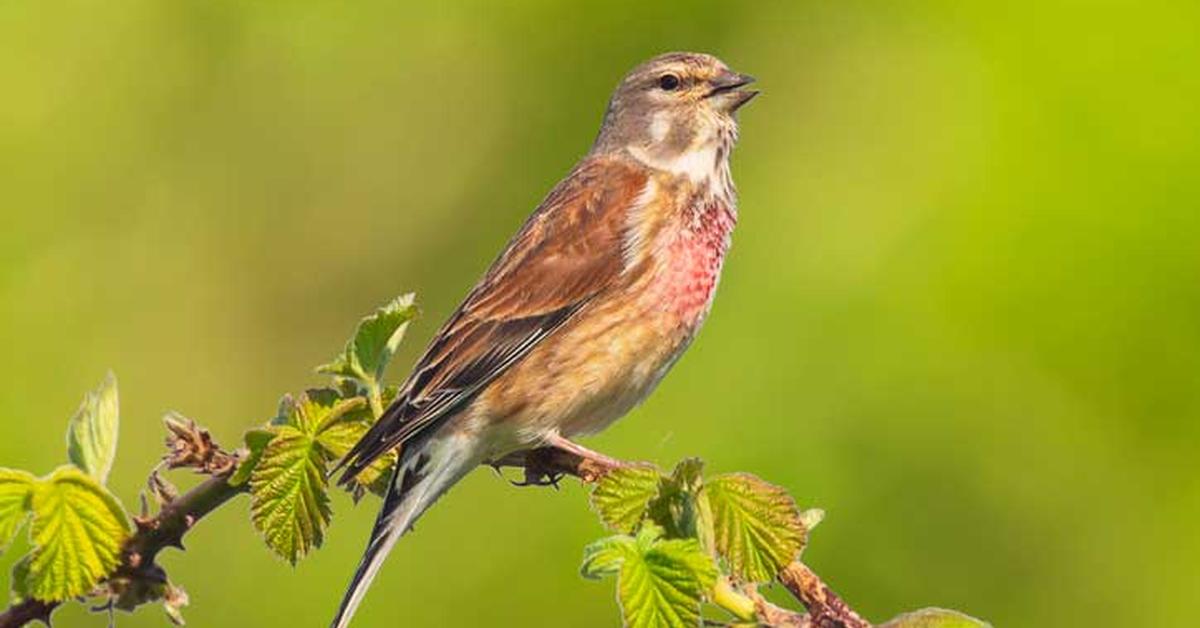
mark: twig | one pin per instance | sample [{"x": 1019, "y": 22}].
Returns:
[
  {"x": 825, "y": 608},
  {"x": 134, "y": 580},
  {"x": 166, "y": 529}
]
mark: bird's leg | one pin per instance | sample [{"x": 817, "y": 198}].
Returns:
[{"x": 597, "y": 459}]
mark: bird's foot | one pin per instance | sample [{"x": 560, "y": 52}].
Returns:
[
  {"x": 546, "y": 466},
  {"x": 538, "y": 472},
  {"x": 537, "y": 466}
]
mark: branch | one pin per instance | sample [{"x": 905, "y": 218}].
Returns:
[
  {"x": 138, "y": 576},
  {"x": 825, "y": 607}
]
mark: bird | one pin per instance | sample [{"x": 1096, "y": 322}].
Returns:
[{"x": 583, "y": 313}]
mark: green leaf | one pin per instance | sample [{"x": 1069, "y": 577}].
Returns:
[
  {"x": 92, "y": 431},
  {"x": 16, "y": 491},
  {"x": 935, "y": 618},
  {"x": 375, "y": 340},
  {"x": 337, "y": 438},
  {"x": 604, "y": 557},
  {"x": 621, "y": 496},
  {"x": 675, "y": 506},
  {"x": 78, "y": 529},
  {"x": 289, "y": 501},
  {"x": 755, "y": 524},
  {"x": 289, "y": 462},
  {"x": 660, "y": 582}
]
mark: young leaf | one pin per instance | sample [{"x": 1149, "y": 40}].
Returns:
[
  {"x": 660, "y": 582},
  {"x": 77, "y": 532},
  {"x": 338, "y": 437},
  {"x": 621, "y": 496},
  {"x": 935, "y": 618},
  {"x": 675, "y": 506},
  {"x": 16, "y": 489},
  {"x": 289, "y": 502},
  {"x": 92, "y": 431},
  {"x": 375, "y": 340},
  {"x": 604, "y": 557},
  {"x": 756, "y": 525}
]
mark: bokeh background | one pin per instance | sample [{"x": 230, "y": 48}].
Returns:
[{"x": 962, "y": 311}]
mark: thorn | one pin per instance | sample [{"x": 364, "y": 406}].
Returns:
[{"x": 145, "y": 524}]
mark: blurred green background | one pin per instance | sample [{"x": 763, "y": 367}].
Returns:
[{"x": 962, "y": 311}]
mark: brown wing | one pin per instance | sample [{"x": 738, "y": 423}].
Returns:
[{"x": 569, "y": 251}]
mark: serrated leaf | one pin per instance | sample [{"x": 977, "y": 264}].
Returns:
[
  {"x": 256, "y": 442},
  {"x": 375, "y": 340},
  {"x": 675, "y": 506},
  {"x": 337, "y": 423},
  {"x": 337, "y": 439},
  {"x": 289, "y": 500},
  {"x": 315, "y": 409},
  {"x": 621, "y": 496},
  {"x": 756, "y": 525},
  {"x": 660, "y": 582},
  {"x": 604, "y": 557},
  {"x": 16, "y": 492},
  {"x": 77, "y": 531},
  {"x": 92, "y": 431},
  {"x": 935, "y": 618}
]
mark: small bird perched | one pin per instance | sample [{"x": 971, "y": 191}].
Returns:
[{"x": 585, "y": 311}]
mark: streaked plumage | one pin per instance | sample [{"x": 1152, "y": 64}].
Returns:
[{"x": 587, "y": 308}]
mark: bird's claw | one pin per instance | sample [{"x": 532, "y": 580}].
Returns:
[{"x": 539, "y": 478}]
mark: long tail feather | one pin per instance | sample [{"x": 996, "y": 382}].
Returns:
[{"x": 426, "y": 470}]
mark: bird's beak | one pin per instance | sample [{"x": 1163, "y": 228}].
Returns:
[{"x": 725, "y": 91}]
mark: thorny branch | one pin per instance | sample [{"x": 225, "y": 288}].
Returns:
[{"x": 138, "y": 579}]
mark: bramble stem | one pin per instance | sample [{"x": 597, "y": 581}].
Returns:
[
  {"x": 824, "y": 606},
  {"x": 166, "y": 529}
]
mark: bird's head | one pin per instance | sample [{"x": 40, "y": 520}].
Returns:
[{"x": 674, "y": 105}]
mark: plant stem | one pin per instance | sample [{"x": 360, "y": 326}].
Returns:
[
  {"x": 166, "y": 529},
  {"x": 824, "y": 606},
  {"x": 730, "y": 599}
]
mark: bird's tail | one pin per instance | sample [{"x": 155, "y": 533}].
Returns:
[{"x": 426, "y": 470}]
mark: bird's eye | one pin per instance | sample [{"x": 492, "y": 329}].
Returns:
[{"x": 668, "y": 82}]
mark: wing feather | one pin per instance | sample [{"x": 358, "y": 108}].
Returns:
[{"x": 568, "y": 252}]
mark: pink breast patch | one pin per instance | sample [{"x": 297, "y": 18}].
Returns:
[{"x": 694, "y": 260}]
